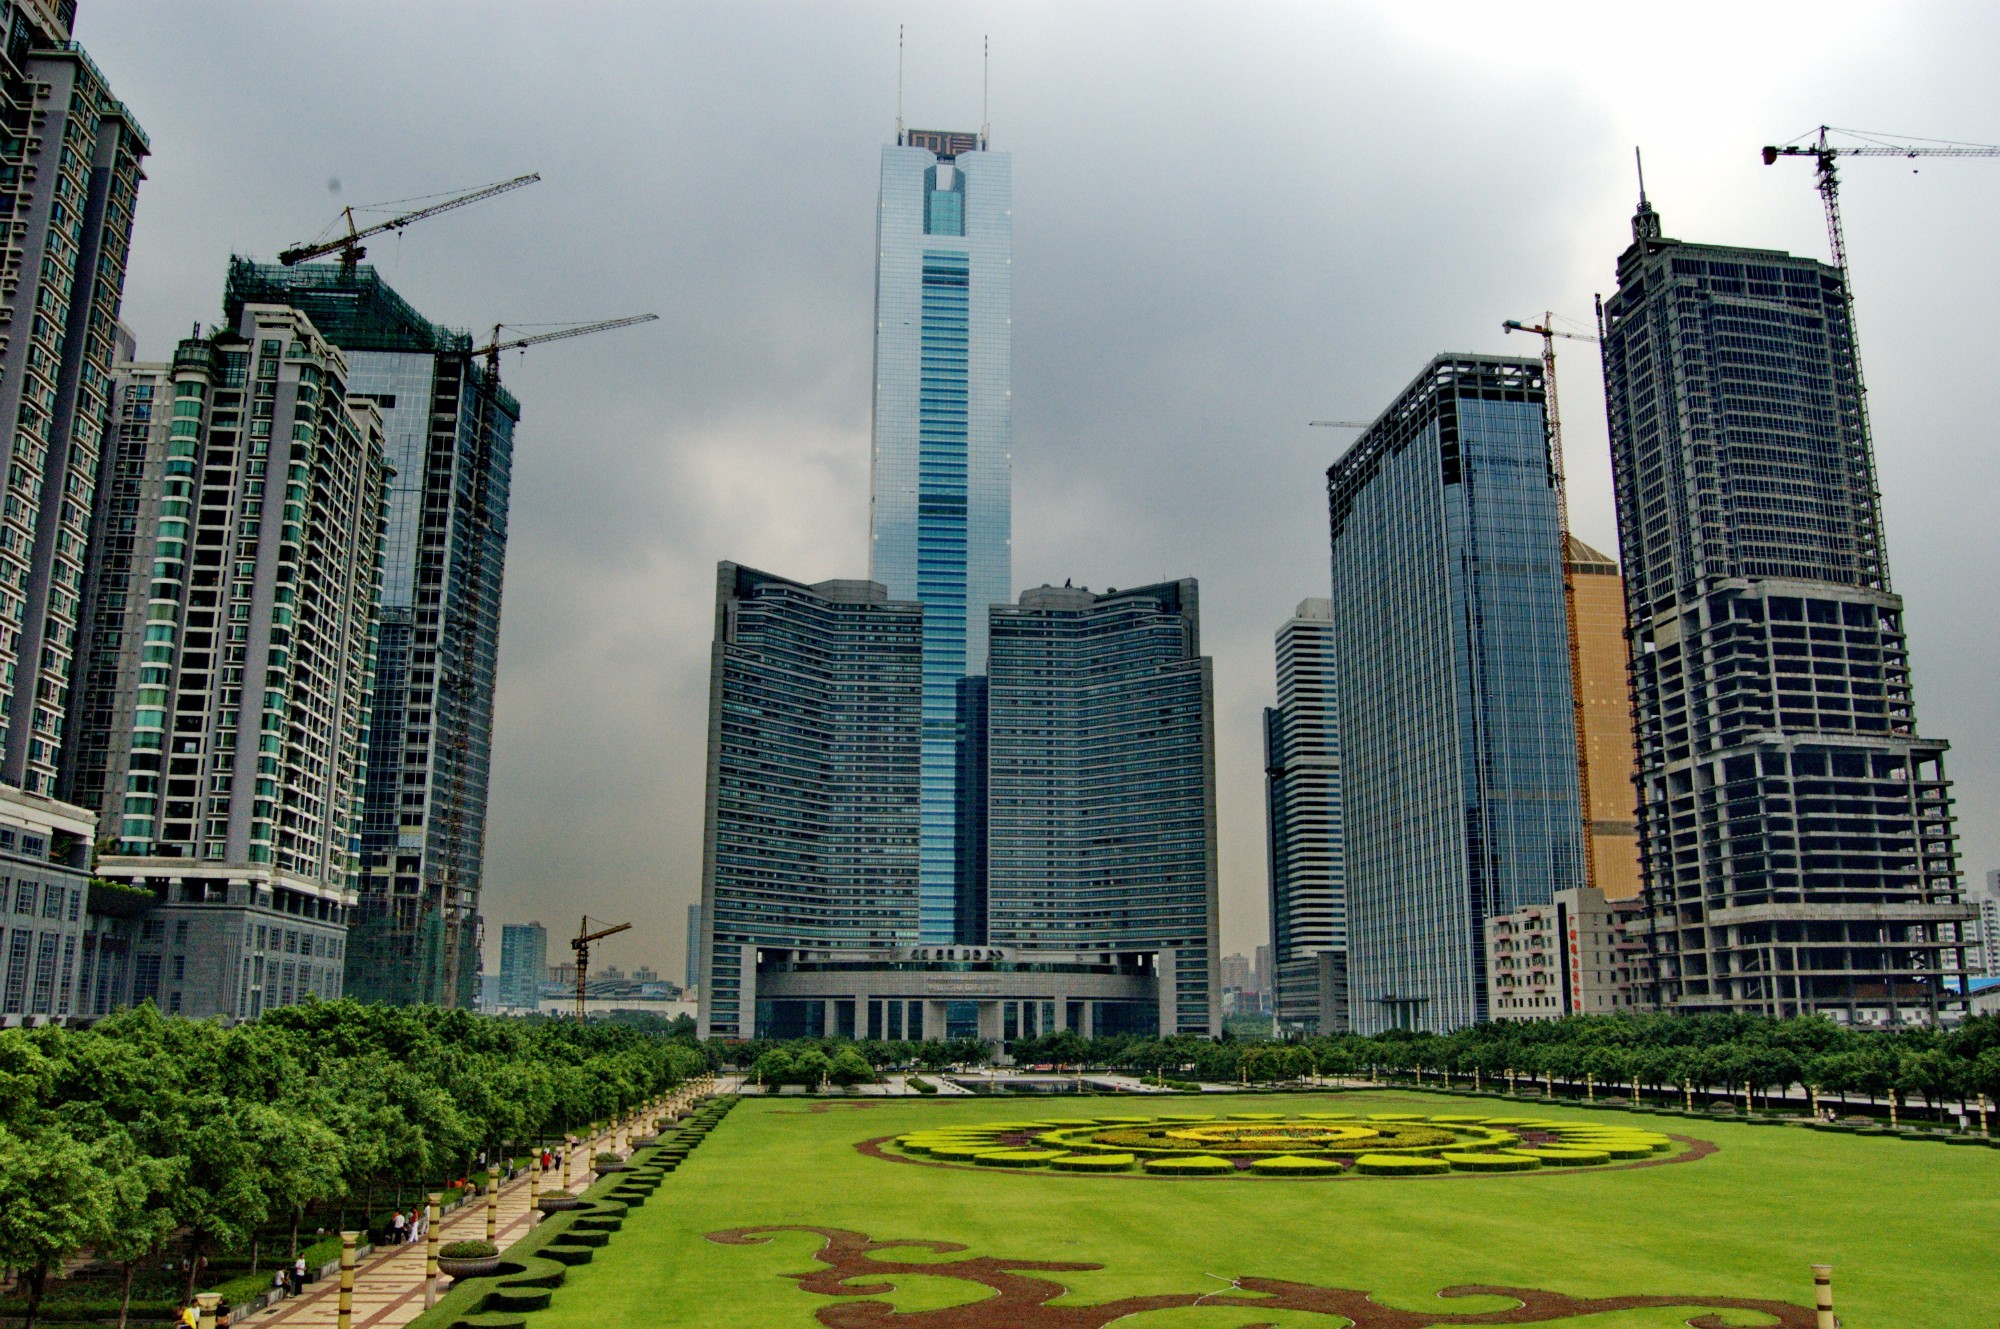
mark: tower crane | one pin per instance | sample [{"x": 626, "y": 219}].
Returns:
[
  {"x": 1548, "y": 332},
  {"x": 349, "y": 246},
  {"x": 581, "y": 945},
  {"x": 452, "y": 777},
  {"x": 1337, "y": 424},
  {"x": 1824, "y": 153},
  {"x": 491, "y": 351}
]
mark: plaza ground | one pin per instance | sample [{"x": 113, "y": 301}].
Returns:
[{"x": 1907, "y": 1225}]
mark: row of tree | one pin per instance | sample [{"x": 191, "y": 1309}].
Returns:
[
  {"x": 1660, "y": 1053},
  {"x": 142, "y": 1135}
]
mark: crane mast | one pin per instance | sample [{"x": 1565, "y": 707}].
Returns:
[
  {"x": 1548, "y": 332},
  {"x": 581, "y": 945}
]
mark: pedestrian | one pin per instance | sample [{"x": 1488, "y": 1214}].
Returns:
[
  {"x": 278, "y": 1283},
  {"x": 190, "y": 1317},
  {"x": 298, "y": 1275},
  {"x": 396, "y": 1227}
]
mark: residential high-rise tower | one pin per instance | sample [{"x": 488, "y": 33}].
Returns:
[
  {"x": 940, "y": 513},
  {"x": 1303, "y": 832},
  {"x": 1457, "y": 722},
  {"x": 1796, "y": 830},
  {"x": 229, "y": 661},
  {"x": 450, "y": 431},
  {"x": 70, "y": 158}
]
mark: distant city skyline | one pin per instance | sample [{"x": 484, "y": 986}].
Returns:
[{"x": 1171, "y": 370}]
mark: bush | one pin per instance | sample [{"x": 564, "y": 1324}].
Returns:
[
  {"x": 1092, "y": 1162},
  {"x": 1017, "y": 1157},
  {"x": 921, "y": 1085},
  {"x": 1566, "y": 1156},
  {"x": 1294, "y": 1165},
  {"x": 1200, "y": 1165},
  {"x": 1390, "y": 1165},
  {"x": 1494, "y": 1162},
  {"x": 607, "y": 1157},
  {"x": 468, "y": 1250}
]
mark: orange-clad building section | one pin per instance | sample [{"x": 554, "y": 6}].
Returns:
[{"x": 1605, "y": 697}]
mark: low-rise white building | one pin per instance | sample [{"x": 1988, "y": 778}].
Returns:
[{"x": 1572, "y": 956}]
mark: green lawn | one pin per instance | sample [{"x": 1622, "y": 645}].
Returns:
[{"x": 1908, "y": 1226}]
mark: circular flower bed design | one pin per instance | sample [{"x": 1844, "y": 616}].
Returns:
[{"x": 1269, "y": 1145}]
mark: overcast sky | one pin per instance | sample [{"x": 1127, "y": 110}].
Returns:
[{"x": 1229, "y": 219}]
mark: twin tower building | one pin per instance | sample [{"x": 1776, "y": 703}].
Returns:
[{"x": 934, "y": 811}]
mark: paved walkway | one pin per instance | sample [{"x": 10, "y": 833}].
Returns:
[{"x": 389, "y": 1284}]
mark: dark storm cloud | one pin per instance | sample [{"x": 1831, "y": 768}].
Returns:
[{"x": 1229, "y": 219}]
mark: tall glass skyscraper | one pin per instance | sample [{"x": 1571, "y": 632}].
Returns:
[
  {"x": 450, "y": 432},
  {"x": 1304, "y": 842},
  {"x": 1796, "y": 832},
  {"x": 1101, "y": 798},
  {"x": 1457, "y": 726},
  {"x": 811, "y": 827},
  {"x": 940, "y": 516}
]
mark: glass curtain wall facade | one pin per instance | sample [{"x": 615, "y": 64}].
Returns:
[
  {"x": 1302, "y": 818},
  {"x": 940, "y": 516},
  {"x": 812, "y": 823},
  {"x": 1101, "y": 796},
  {"x": 450, "y": 430},
  {"x": 1795, "y": 829},
  {"x": 1457, "y": 725}
]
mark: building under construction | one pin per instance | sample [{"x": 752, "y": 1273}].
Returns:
[
  {"x": 450, "y": 434},
  {"x": 1796, "y": 831}
]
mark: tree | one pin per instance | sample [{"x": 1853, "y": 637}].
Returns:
[
  {"x": 54, "y": 1201},
  {"x": 140, "y": 1218},
  {"x": 849, "y": 1068},
  {"x": 302, "y": 1161},
  {"x": 772, "y": 1069}
]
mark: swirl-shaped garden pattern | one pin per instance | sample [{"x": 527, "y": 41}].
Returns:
[{"x": 1313, "y": 1144}]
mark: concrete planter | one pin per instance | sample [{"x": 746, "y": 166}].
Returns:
[
  {"x": 473, "y": 1268},
  {"x": 551, "y": 1204}
]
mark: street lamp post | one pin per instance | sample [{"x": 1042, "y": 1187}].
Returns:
[
  {"x": 344, "y": 1314},
  {"x": 492, "y": 1202},
  {"x": 431, "y": 1248}
]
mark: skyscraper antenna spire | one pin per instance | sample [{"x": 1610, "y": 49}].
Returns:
[
  {"x": 985, "y": 90},
  {"x": 1645, "y": 222},
  {"x": 899, "y": 85}
]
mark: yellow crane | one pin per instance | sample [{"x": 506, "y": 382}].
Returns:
[
  {"x": 1548, "y": 332},
  {"x": 581, "y": 945}
]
